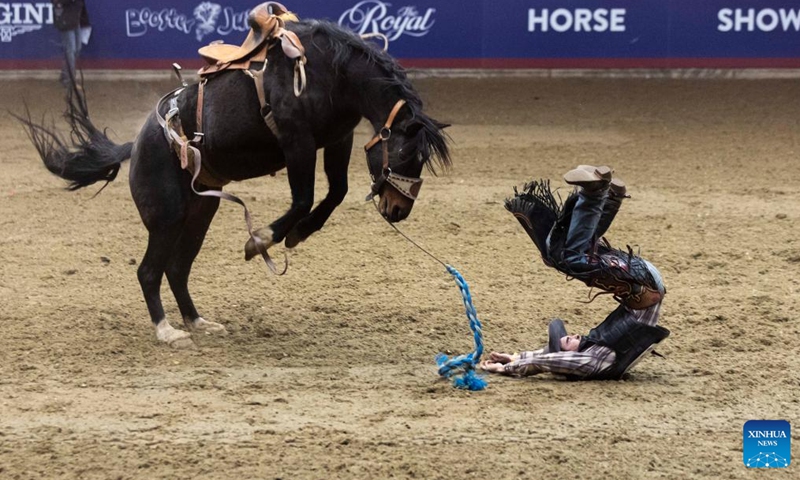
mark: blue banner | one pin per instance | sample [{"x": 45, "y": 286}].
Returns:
[{"x": 436, "y": 33}]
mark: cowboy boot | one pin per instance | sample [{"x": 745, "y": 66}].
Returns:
[
  {"x": 616, "y": 187},
  {"x": 616, "y": 193},
  {"x": 591, "y": 181}
]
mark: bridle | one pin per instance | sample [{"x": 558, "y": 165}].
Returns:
[{"x": 408, "y": 186}]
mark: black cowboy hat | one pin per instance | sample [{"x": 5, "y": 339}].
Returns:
[{"x": 555, "y": 331}]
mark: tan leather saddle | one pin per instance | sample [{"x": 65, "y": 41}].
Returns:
[{"x": 266, "y": 22}]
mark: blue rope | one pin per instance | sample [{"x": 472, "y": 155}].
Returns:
[{"x": 462, "y": 367}]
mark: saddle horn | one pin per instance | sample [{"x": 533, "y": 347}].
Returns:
[{"x": 177, "y": 69}]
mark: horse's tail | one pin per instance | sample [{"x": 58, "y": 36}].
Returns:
[{"x": 88, "y": 156}]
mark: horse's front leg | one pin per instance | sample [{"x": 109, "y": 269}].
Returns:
[
  {"x": 337, "y": 159},
  {"x": 301, "y": 160}
]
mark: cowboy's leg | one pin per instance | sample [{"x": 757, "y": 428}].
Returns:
[
  {"x": 583, "y": 225},
  {"x": 610, "y": 208},
  {"x": 616, "y": 193},
  {"x": 70, "y": 42},
  {"x": 586, "y": 215},
  {"x": 635, "y": 282},
  {"x": 78, "y": 46}
]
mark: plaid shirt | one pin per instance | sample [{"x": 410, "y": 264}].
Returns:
[{"x": 585, "y": 364}]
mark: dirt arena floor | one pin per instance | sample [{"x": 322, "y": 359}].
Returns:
[{"x": 328, "y": 371}]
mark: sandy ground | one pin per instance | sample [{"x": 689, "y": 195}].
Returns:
[{"x": 328, "y": 372}]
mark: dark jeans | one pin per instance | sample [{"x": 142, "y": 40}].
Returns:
[
  {"x": 71, "y": 44},
  {"x": 591, "y": 217}
]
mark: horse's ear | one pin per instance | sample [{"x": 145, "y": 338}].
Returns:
[{"x": 413, "y": 128}]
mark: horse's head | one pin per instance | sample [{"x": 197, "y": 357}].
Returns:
[
  {"x": 371, "y": 82},
  {"x": 395, "y": 157}
]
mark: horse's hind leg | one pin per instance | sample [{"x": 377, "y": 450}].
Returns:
[
  {"x": 160, "y": 248},
  {"x": 201, "y": 212},
  {"x": 162, "y": 195}
]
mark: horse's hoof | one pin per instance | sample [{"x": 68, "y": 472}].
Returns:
[
  {"x": 200, "y": 324},
  {"x": 182, "y": 343},
  {"x": 250, "y": 249},
  {"x": 173, "y": 337},
  {"x": 292, "y": 239}
]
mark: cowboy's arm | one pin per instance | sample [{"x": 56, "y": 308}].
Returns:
[{"x": 580, "y": 364}]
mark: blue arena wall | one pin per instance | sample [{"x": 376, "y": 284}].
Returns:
[{"x": 151, "y": 34}]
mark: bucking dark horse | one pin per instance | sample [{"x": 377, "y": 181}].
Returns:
[{"x": 343, "y": 79}]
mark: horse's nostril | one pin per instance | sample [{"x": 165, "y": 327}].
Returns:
[{"x": 398, "y": 214}]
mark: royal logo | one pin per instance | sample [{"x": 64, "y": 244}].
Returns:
[
  {"x": 207, "y": 18},
  {"x": 372, "y": 16},
  {"x": 18, "y": 17},
  {"x": 767, "y": 444}
]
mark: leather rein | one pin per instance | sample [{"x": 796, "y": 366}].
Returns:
[{"x": 408, "y": 186}]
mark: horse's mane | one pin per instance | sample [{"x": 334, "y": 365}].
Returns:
[{"x": 431, "y": 141}]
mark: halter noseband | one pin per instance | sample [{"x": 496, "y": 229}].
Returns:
[{"x": 407, "y": 186}]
